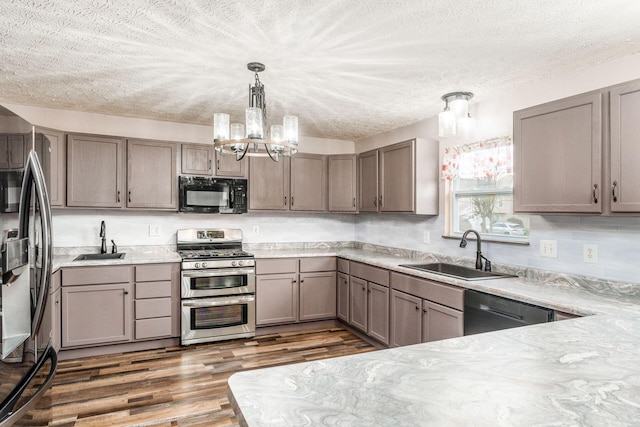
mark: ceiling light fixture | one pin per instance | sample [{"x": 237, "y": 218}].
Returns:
[
  {"x": 281, "y": 140},
  {"x": 456, "y": 115}
]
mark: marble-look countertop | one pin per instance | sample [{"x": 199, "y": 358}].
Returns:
[
  {"x": 575, "y": 372},
  {"x": 64, "y": 257}
]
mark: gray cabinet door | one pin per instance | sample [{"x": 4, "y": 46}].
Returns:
[
  {"x": 308, "y": 182},
  {"x": 625, "y": 148},
  {"x": 228, "y": 166},
  {"x": 94, "y": 171},
  {"x": 268, "y": 184},
  {"x": 57, "y": 165},
  {"x": 151, "y": 175},
  {"x": 343, "y": 297},
  {"x": 440, "y": 322},
  {"x": 558, "y": 156},
  {"x": 317, "y": 296},
  {"x": 406, "y": 319},
  {"x": 276, "y": 299},
  {"x": 13, "y": 150},
  {"x": 96, "y": 314},
  {"x": 196, "y": 159},
  {"x": 378, "y": 312},
  {"x": 342, "y": 183},
  {"x": 397, "y": 178},
  {"x": 368, "y": 181},
  {"x": 358, "y": 303}
]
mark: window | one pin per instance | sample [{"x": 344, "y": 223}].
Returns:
[{"x": 480, "y": 177}]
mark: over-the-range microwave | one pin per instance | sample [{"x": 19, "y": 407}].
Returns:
[{"x": 201, "y": 194}]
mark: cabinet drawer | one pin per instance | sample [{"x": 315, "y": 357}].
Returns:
[
  {"x": 277, "y": 266},
  {"x": 437, "y": 292},
  {"x": 154, "y": 307},
  {"x": 153, "y": 290},
  {"x": 153, "y": 272},
  {"x": 343, "y": 265},
  {"x": 153, "y": 328},
  {"x": 95, "y": 275},
  {"x": 325, "y": 263},
  {"x": 369, "y": 273}
]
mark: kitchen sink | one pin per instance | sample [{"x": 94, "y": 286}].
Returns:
[
  {"x": 457, "y": 271},
  {"x": 93, "y": 257}
]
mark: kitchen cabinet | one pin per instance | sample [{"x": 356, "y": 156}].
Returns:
[
  {"x": 157, "y": 301},
  {"x": 290, "y": 290},
  {"x": 369, "y": 300},
  {"x": 558, "y": 156},
  {"x": 342, "y": 303},
  {"x": 227, "y": 165},
  {"x": 51, "y": 316},
  {"x": 95, "y": 171},
  {"x": 342, "y": 183},
  {"x": 308, "y": 182},
  {"x": 152, "y": 179},
  {"x": 423, "y": 310},
  {"x": 401, "y": 178},
  {"x": 268, "y": 184},
  {"x": 196, "y": 159},
  {"x": 56, "y": 164},
  {"x": 13, "y": 151},
  {"x": 625, "y": 147}
]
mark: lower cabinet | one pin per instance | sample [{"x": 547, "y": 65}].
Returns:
[
  {"x": 369, "y": 300},
  {"x": 291, "y": 290},
  {"x": 342, "y": 304},
  {"x": 416, "y": 317},
  {"x": 118, "y": 304}
]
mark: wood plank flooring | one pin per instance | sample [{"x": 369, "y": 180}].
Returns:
[{"x": 176, "y": 386}]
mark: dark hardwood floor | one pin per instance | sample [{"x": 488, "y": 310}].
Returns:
[{"x": 177, "y": 386}]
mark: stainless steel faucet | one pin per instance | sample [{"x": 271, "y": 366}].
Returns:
[
  {"x": 479, "y": 257},
  {"x": 103, "y": 234}
]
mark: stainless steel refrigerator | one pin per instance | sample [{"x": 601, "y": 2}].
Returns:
[{"x": 28, "y": 362}]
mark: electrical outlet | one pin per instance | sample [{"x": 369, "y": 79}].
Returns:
[
  {"x": 590, "y": 253},
  {"x": 426, "y": 237},
  {"x": 256, "y": 229},
  {"x": 154, "y": 230},
  {"x": 549, "y": 248}
]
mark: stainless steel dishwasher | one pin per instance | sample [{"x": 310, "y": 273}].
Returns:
[{"x": 484, "y": 313}]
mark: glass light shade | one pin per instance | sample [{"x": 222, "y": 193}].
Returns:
[
  {"x": 290, "y": 125},
  {"x": 220, "y": 127},
  {"x": 466, "y": 126},
  {"x": 254, "y": 122},
  {"x": 460, "y": 107},
  {"x": 237, "y": 131},
  {"x": 446, "y": 123},
  {"x": 276, "y": 135}
]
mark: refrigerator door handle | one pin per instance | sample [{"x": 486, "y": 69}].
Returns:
[
  {"x": 33, "y": 174},
  {"x": 7, "y": 414}
]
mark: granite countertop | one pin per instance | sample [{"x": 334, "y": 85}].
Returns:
[
  {"x": 575, "y": 372},
  {"x": 133, "y": 255}
]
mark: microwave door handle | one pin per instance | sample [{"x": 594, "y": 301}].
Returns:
[{"x": 232, "y": 193}]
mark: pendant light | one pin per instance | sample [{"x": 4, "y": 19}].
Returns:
[{"x": 455, "y": 118}]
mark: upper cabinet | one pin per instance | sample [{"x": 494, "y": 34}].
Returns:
[
  {"x": 268, "y": 184},
  {"x": 53, "y": 141},
  {"x": 152, "y": 180},
  {"x": 400, "y": 178},
  {"x": 625, "y": 147},
  {"x": 94, "y": 171},
  {"x": 579, "y": 154},
  {"x": 342, "y": 183},
  {"x": 13, "y": 149},
  {"x": 558, "y": 156},
  {"x": 308, "y": 182},
  {"x": 197, "y": 159},
  {"x": 227, "y": 165}
]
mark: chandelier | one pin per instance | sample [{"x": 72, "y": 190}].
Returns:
[
  {"x": 456, "y": 119},
  {"x": 252, "y": 139}
]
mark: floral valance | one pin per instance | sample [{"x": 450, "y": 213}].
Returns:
[{"x": 492, "y": 157}]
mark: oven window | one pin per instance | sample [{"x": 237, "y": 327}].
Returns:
[
  {"x": 219, "y": 317},
  {"x": 207, "y": 197},
  {"x": 218, "y": 282}
]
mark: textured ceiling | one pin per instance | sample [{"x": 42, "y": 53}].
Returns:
[{"x": 348, "y": 68}]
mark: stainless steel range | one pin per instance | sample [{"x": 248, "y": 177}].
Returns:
[{"x": 218, "y": 286}]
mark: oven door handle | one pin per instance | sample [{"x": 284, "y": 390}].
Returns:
[
  {"x": 218, "y": 272},
  {"x": 208, "y": 302}
]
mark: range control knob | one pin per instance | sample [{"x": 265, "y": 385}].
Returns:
[
  {"x": 233, "y": 263},
  {"x": 204, "y": 265},
  {"x": 197, "y": 265},
  {"x": 240, "y": 263}
]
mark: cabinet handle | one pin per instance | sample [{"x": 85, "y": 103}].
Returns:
[
  {"x": 129, "y": 196},
  {"x": 354, "y": 202},
  {"x": 417, "y": 308},
  {"x": 126, "y": 292},
  {"x": 218, "y": 164},
  {"x": 209, "y": 163},
  {"x": 285, "y": 200},
  {"x": 118, "y": 196},
  {"x": 595, "y": 198},
  {"x": 301, "y": 281},
  {"x": 363, "y": 288},
  {"x": 291, "y": 200},
  {"x": 424, "y": 311},
  {"x": 381, "y": 204},
  {"x": 375, "y": 202},
  {"x": 613, "y": 191},
  {"x": 294, "y": 281}
]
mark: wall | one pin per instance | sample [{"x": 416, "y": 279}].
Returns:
[{"x": 618, "y": 239}]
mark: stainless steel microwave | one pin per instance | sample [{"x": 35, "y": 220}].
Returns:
[{"x": 201, "y": 194}]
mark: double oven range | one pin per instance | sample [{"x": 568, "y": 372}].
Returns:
[{"x": 218, "y": 286}]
